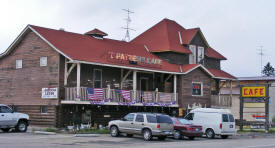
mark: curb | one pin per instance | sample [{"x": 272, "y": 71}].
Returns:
[
  {"x": 44, "y": 133},
  {"x": 86, "y": 135}
]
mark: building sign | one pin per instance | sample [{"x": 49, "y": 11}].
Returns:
[
  {"x": 253, "y": 91},
  {"x": 196, "y": 89},
  {"x": 134, "y": 59},
  {"x": 49, "y": 93}
]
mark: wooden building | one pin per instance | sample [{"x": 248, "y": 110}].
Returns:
[{"x": 48, "y": 73}]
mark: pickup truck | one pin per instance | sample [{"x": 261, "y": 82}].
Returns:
[{"x": 10, "y": 119}]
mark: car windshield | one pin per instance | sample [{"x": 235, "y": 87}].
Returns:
[{"x": 184, "y": 121}]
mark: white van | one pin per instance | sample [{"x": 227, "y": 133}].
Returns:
[{"x": 213, "y": 121}]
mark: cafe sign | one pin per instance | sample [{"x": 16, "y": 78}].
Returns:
[
  {"x": 134, "y": 59},
  {"x": 254, "y": 91}
]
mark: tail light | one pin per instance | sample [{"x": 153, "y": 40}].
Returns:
[
  {"x": 189, "y": 128},
  {"x": 221, "y": 126},
  {"x": 158, "y": 126}
]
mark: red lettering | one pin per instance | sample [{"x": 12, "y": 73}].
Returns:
[
  {"x": 261, "y": 91},
  {"x": 250, "y": 92},
  {"x": 255, "y": 91},
  {"x": 245, "y": 91}
]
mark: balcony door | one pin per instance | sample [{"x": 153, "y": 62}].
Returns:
[{"x": 144, "y": 84}]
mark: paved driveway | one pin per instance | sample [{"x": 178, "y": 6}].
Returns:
[{"x": 30, "y": 140}]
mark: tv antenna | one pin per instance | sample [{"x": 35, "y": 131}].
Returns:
[
  {"x": 261, "y": 53},
  {"x": 127, "y": 28}
]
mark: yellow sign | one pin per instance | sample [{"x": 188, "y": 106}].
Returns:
[{"x": 253, "y": 91}]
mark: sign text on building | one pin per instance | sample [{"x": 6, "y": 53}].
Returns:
[{"x": 49, "y": 93}]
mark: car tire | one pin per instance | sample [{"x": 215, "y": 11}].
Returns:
[
  {"x": 161, "y": 137},
  {"x": 147, "y": 134},
  {"x": 224, "y": 136},
  {"x": 210, "y": 133},
  {"x": 21, "y": 126},
  {"x": 5, "y": 129},
  {"x": 114, "y": 131},
  {"x": 177, "y": 135},
  {"x": 129, "y": 135},
  {"x": 191, "y": 138}
]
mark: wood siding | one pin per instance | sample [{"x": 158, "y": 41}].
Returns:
[
  {"x": 185, "y": 89},
  {"x": 174, "y": 58},
  {"x": 212, "y": 63}
]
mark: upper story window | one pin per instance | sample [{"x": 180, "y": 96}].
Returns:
[
  {"x": 19, "y": 64},
  {"x": 43, "y": 61},
  {"x": 197, "y": 89},
  {"x": 200, "y": 55},
  {"x": 192, "y": 57},
  {"x": 97, "y": 78}
]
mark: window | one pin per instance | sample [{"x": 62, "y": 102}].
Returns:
[
  {"x": 231, "y": 118},
  {"x": 164, "y": 119},
  {"x": 224, "y": 118},
  {"x": 190, "y": 116},
  {"x": 5, "y": 109},
  {"x": 151, "y": 119},
  {"x": 192, "y": 57},
  {"x": 19, "y": 64},
  {"x": 44, "y": 109},
  {"x": 197, "y": 89},
  {"x": 200, "y": 55},
  {"x": 129, "y": 117},
  {"x": 97, "y": 78},
  {"x": 43, "y": 61},
  {"x": 139, "y": 118}
]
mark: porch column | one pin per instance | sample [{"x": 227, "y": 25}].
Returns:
[
  {"x": 135, "y": 83},
  {"x": 175, "y": 87},
  {"x": 65, "y": 73},
  {"x": 78, "y": 81}
]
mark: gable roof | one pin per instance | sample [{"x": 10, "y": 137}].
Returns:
[
  {"x": 211, "y": 53},
  {"x": 220, "y": 74},
  {"x": 164, "y": 36}
]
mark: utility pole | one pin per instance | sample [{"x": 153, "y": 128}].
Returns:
[
  {"x": 261, "y": 53},
  {"x": 127, "y": 28}
]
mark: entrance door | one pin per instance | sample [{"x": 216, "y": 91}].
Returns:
[{"x": 144, "y": 84}]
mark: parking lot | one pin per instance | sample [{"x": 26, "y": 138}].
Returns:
[{"x": 31, "y": 140}]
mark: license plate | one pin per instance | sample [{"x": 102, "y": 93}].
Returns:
[
  {"x": 197, "y": 129},
  {"x": 231, "y": 126}
]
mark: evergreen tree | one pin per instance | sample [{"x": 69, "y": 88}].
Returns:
[{"x": 268, "y": 70}]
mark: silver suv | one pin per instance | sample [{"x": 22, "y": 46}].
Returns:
[
  {"x": 146, "y": 124},
  {"x": 10, "y": 119}
]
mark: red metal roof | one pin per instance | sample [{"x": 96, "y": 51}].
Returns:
[
  {"x": 211, "y": 53},
  {"x": 162, "y": 37},
  {"x": 188, "y": 34},
  {"x": 85, "y": 48},
  {"x": 97, "y": 31},
  {"x": 221, "y": 74},
  {"x": 188, "y": 67}
]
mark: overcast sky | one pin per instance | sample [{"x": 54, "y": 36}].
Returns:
[{"x": 234, "y": 28}]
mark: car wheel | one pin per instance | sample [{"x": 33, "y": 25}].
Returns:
[
  {"x": 21, "y": 126},
  {"x": 162, "y": 137},
  {"x": 5, "y": 129},
  {"x": 147, "y": 135},
  {"x": 224, "y": 136},
  {"x": 191, "y": 138},
  {"x": 177, "y": 135},
  {"x": 129, "y": 135},
  {"x": 114, "y": 131},
  {"x": 210, "y": 133}
]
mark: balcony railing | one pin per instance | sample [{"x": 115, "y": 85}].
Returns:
[
  {"x": 221, "y": 101},
  {"x": 114, "y": 96}
]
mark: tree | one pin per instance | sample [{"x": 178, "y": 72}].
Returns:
[{"x": 268, "y": 70}]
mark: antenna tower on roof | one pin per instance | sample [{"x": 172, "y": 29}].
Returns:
[
  {"x": 261, "y": 53},
  {"x": 127, "y": 28}
]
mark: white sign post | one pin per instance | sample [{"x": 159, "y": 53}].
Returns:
[{"x": 49, "y": 93}]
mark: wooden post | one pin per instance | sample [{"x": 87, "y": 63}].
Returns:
[
  {"x": 78, "y": 80},
  {"x": 241, "y": 109},
  {"x": 230, "y": 93},
  {"x": 135, "y": 83},
  {"x": 66, "y": 73},
  {"x": 267, "y": 109},
  {"x": 175, "y": 87}
]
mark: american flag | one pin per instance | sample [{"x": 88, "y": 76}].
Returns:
[
  {"x": 125, "y": 94},
  {"x": 165, "y": 97},
  {"x": 95, "y": 93},
  {"x": 147, "y": 96}
]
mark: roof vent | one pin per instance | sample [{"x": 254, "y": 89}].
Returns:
[
  {"x": 61, "y": 29},
  {"x": 96, "y": 33}
]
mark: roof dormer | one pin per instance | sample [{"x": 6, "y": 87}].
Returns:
[{"x": 96, "y": 33}]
